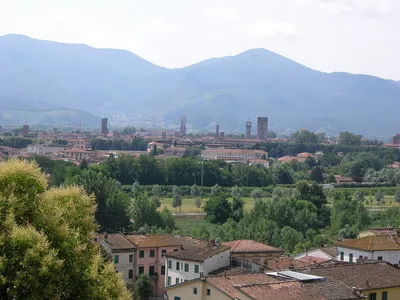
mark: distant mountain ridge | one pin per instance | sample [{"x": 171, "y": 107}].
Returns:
[{"x": 43, "y": 75}]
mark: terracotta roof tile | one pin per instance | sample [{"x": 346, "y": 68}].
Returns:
[
  {"x": 249, "y": 246},
  {"x": 284, "y": 263},
  {"x": 154, "y": 240},
  {"x": 290, "y": 290},
  {"x": 308, "y": 259},
  {"x": 116, "y": 242},
  {"x": 370, "y": 243},
  {"x": 364, "y": 276},
  {"x": 227, "y": 283},
  {"x": 197, "y": 253}
]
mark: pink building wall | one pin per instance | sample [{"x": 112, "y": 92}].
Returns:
[{"x": 157, "y": 261}]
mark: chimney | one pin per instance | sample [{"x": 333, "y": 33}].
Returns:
[
  {"x": 106, "y": 236},
  {"x": 367, "y": 283}
]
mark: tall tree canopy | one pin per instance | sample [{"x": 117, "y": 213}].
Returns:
[{"x": 46, "y": 248}]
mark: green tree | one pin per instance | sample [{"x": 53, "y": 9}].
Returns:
[
  {"x": 215, "y": 190},
  {"x": 257, "y": 194},
  {"x": 47, "y": 249},
  {"x": 290, "y": 238},
  {"x": 197, "y": 203},
  {"x": 317, "y": 174},
  {"x": 236, "y": 191},
  {"x": 359, "y": 195},
  {"x": 349, "y": 139},
  {"x": 156, "y": 190},
  {"x": 217, "y": 209},
  {"x": 195, "y": 191},
  {"x": 176, "y": 201},
  {"x": 143, "y": 288},
  {"x": 304, "y": 137},
  {"x": 237, "y": 208},
  {"x": 379, "y": 197},
  {"x": 397, "y": 196},
  {"x": 156, "y": 201},
  {"x": 113, "y": 204}
]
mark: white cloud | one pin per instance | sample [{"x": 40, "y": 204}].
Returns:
[
  {"x": 369, "y": 8},
  {"x": 271, "y": 28},
  {"x": 222, "y": 14},
  {"x": 156, "y": 27}
]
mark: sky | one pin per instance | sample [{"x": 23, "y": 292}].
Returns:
[{"x": 357, "y": 36}]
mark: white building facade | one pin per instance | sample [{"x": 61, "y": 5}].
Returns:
[
  {"x": 183, "y": 266},
  {"x": 370, "y": 247},
  {"x": 122, "y": 253},
  {"x": 351, "y": 255}
]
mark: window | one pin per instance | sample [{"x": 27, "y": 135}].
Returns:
[
  {"x": 141, "y": 253},
  {"x": 360, "y": 257},
  {"x": 163, "y": 252},
  {"x": 186, "y": 267},
  {"x": 350, "y": 257},
  {"x": 176, "y": 280},
  {"x": 342, "y": 255},
  {"x": 151, "y": 270},
  {"x": 130, "y": 272},
  {"x": 169, "y": 281},
  {"x": 208, "y": 292},
  {"x": 176, "y": 250},
  {"x": 379, "y": 257},
  {"x": 177, "y": 298},
  {"x": 141, "y": 270},
  {"x": 170, "y": 264},
  {"x": 195, "y": 291},
  {"x": 372, "y": 296},
  {"x": 384, "y": 295},
  {"x": 162, "y": 270},
  {"x": 196, "y": 269},
  {"x": 178, "y": 265},
  {"x": 152, "y": 253},
  {"x": 116, "y": 259},
  {"x": 130, "y": 258}
]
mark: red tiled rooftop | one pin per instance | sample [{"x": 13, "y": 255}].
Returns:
[
  {"x": 289, "y": 290},
  {"x": 363, "y": 276},
  {"x": 147, "y": 241},
  {"x": 371, "y": 243},
  {"x": 308, "y": 259},
  {"x": 116, "y": 241},
  {"x": 243, "y": 246},
  {"x": 227, "y": 283}
]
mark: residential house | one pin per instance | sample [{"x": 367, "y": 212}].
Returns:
[
  {"x": 375, "y": 280},
  {"x": 38, "y": 149},
  {"x": 122, "y": 253},
  {"x": 233, "y": 155},
  {"x": 317, "y": 255},
  {"x": 301, "y": 157},
  {"x": 370, "y": 247},
  {"x": 343, "y": 179},
  {"x": 284, "y": 263},
  {"x": 174, "y": 151},
  {"x": 260, "y": 162},
  {"x": 194, "y": 262},
  {"x": 77, "y": 154},
  {"x": 263, "y": 287},
  {"x": 252, "y": 251},
  {"x": 150, "y": 260}
]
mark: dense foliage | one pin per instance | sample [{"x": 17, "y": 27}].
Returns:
[{"x": 46, "y": 248}]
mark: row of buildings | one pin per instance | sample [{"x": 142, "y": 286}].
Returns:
[{"x": 183, "y": 268}]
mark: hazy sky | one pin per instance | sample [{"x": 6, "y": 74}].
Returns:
[{"x": 358, "y": 36}]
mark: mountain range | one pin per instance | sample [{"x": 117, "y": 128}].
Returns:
[{"x": 50, "y": 82}]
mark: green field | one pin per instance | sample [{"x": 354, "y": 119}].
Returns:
[{"x": 188, "y": 206}]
